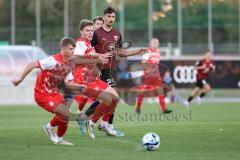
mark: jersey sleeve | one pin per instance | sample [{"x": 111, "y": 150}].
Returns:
[
  {"x": 80, "y": 48},
  {"x": 94, "y": 40},
  {"x": 47, "y": 63}
]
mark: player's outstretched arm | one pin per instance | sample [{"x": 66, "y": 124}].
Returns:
[
  {"x": 25, "y": 72},
  {"x": 124, "y": 53},
  {"x": 102, "y": 59}
]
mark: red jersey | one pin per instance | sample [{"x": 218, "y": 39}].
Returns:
[
  {"x": 152, "y": 56},
  {"x": 203, "y": 73},
  {"x": 53, "y": 71},
  {"x": 150, "y": 62},
  {"x": 104, "y": 41},
  {"x": 86, "y": 73}
]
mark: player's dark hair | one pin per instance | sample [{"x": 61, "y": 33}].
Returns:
[
  {"x": 109, "y": 10},
  {"x": 65, "y": 41},
  {"x": 155, "y": 38},
  {"x": 85, "y": 22},
  {"x": 100, "y": 18}
]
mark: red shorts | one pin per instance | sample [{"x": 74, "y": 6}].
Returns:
[
  {"x": 145, "y": 87},
  {"x": 95, "y": 88},
  {"x": 147, "y": 90},
  {"x": 80, "y": 98},
  {"x": 49, "y": 102}
]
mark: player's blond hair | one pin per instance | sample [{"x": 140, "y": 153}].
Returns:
[{"x": 85, "y": 22}]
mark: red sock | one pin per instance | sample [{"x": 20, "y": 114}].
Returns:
[
  {"x": 62, "y": 125},
  {"x": 103, "y": 109},
  {"x": 81, "y": 103},
  {"x": 162, "y": 102},
  {"x": 139, "y": 102},
  {"x": 107, "y": 116},
  {"x": 56, "y": 120},
  {"x": 62, "y": 128}
]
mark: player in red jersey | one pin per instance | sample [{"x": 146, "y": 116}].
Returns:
[
  {"x": 54, "y": 70},
  {"x": 151, "y": 62},
  {"x": 82, "y": 100},
  {"x": 89, "y": 75},
  {"x": 106, "y": 39},
  {"x": 203, "y": 67}
]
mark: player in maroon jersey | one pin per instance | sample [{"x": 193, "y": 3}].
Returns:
[
  {"x": 203, "y": 67},
  {"x": 54, "y": 70},
  {"x": 106, "y": 39}
]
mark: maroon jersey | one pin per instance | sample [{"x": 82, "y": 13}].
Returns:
[
  {"x": 203, "y": 73},
  {"x": 104, "y": 41}
]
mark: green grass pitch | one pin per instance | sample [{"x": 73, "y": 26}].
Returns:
[{"x": 209, "y": 132}]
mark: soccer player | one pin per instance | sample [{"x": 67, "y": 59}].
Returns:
[
  {"x": 98, "y": 22},
  {"x": 54, "y": 70},
  {"x": 106, "y": 39},
  {"x": 80, "y": 99},
  {"x": 89, "y": 75},
  {"x": 203, "y": 67},
  {"x": 150, "y": 61}
]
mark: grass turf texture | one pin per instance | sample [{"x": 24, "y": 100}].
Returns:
[{"x": 211, "y": 132}]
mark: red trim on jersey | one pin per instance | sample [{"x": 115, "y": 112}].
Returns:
[
  {"x": 39, "y": 65},
  {"x": 48, "y": 80}
]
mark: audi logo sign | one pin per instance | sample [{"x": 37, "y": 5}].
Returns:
[{"x": 184, "y": 74}]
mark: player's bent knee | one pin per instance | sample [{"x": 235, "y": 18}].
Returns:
[
  {"x": 63, "y": 111},
  {"x": 106, "y": 98},
  {"x": 207, "y": 88},
  {"x": 115, "y": 97},
  {"x": 113, "y": 93}
]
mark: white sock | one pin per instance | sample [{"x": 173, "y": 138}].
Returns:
[
  {"x": 60, "y": 139},
  {"x": 104, "y": 123},
  {"x": 91, "y": 123},
  {"x": 110, "y": 126},
  {"x": 49, "y": 126}
]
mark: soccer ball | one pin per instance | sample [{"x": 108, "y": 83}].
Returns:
[{"x": 151, "y": 141}]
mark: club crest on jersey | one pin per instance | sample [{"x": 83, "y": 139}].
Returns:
[
  {"x": 51, "y": 103},
  {"x": 96, "y": 89},
  {"x": 115, "y": 38}
]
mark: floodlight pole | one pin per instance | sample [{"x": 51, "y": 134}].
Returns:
[
  {"x": 65, "y": 18},
  {"x": 121, "y": 24},
  {"x": 93, "y": 8},
  {"x": 13, "y": 22},
  {"x": 150, "y": 22},
  {"x": 179, "y": 14},
  {"x": 38, "y": 22},
  {"x": 210, "y": 42}
]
